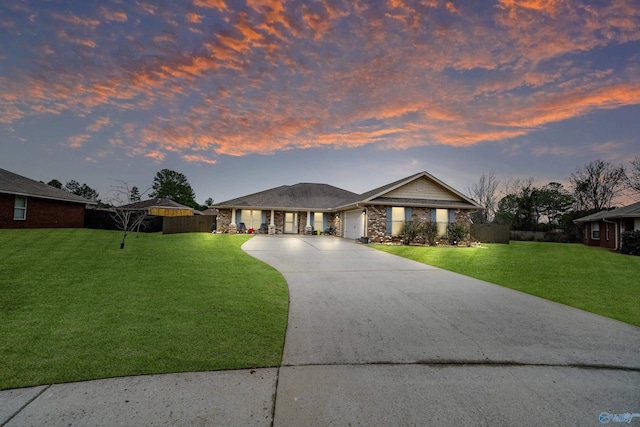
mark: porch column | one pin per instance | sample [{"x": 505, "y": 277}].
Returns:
[
  {"x": 272, "y": 225},
  {"x": 308, "y": 228},
  {"x": 233, "y": 227}
]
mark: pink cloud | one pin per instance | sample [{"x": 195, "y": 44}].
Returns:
[
  {"x": 111, "y": 15},
  {"x": 199, "y": 159},
  {"x": 217, "y": 4},
  {"x": 78, "y": 140}
]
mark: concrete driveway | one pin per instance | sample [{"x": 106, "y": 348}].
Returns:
[{"x": 374, "y": 339}]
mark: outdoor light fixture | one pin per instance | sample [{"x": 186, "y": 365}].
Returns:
[{"x": 364, "y": 211}]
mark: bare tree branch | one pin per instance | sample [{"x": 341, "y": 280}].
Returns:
[
  {"x": 126, "y": 219},
  {"x": 484, "y": 192}
]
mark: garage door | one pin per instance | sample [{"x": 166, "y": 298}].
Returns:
[{"x": 354, "y": 224}]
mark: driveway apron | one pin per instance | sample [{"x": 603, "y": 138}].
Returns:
[{"x": 375, "y": 338}]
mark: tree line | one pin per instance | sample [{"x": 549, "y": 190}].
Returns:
[
  {"x": 524, "y": 206},
  {"x": 166, "y": 184}
]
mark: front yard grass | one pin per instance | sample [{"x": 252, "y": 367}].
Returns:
[
  {"x": 73, "y": 306},
  {"x": 592, "y": 279}
]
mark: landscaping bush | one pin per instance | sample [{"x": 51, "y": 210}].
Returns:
[
  {"x": 457, "y": 233},
  {"x": 630, "y": 243},
  {"x": 420, "y": 232}
]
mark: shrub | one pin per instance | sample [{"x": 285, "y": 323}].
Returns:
[
  {"x": 457, "y": 233},
  {"x": 420, "y": 232},
  {"x": 431, "y": 233},
  {"x": 630, "y": 243}
]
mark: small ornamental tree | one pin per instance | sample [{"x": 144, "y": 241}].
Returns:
[{"x": 126, "y": 219}]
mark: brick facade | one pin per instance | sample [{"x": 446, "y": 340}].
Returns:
[{"x": 42, "y": 213}]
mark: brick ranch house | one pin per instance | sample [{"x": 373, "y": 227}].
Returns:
[
  {"x": 379, "y": 214},
  {"x": 25, "y": 203},
  {"x": 605, "y": 228}
]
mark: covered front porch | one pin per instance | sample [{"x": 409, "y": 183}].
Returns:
[{"x": 277, "y": 221}]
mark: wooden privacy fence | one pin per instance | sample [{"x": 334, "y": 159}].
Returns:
[
  {"x": 187, "y": 224},
  {"x": 490, "y": 233}
]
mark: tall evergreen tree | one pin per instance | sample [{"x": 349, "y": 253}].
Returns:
[{"x": 173, "y": 185}]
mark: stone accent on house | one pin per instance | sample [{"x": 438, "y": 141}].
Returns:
[
  {"x": 224, "y": 220},
  {"x": 463, "y": 216},
  {"x": 376, "y": 223},
  {"x": 334, "y": 221}
]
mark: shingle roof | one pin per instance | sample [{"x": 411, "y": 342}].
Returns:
[
  {"x": 629, "y": 211},
  {"x": 298, "y": 196},
  {"x": 12, "y": 183},
  {"x": 162, "y": 202},
  {"x": 306, "y": 196}
]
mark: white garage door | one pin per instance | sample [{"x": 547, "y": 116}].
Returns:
[{"x": 354, "y": 224}]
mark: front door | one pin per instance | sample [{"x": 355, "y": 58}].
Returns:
[{"x": 291, "y": 223}]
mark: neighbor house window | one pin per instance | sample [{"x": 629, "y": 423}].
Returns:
[
  {"x": 595, "y": 230},
  {"x": 20, "y": 208}
]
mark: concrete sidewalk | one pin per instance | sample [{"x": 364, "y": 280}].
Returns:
[{"x": 374, "y": 339}]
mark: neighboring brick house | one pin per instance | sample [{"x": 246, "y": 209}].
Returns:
[
  {"x": 605, "y": 228},
  {"x": 378, "y": 214},
  {"x": 25, "y": 203}
]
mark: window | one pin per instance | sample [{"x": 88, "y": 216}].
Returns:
[
  {"x": 317, "y": 221},
  {"x": 250, "y": 218},
  {"x": 595, "y": 230},
  {"x": 20, "y": 208},
  {"x": 396, "y": 220},
  {"x": 442, "y": 219}
]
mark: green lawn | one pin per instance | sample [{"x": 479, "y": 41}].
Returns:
[
  {"x": 73, "y": 306},
  {"x": 592, "y": 279}
]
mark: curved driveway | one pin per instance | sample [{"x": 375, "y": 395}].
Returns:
[{"x": 378, "y": 339}]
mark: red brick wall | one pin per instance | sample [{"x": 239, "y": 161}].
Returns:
[
  {"x": 42, "y": 213},
  {"x": 605, "y": 240}
]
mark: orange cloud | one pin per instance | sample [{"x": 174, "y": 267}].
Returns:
[
  {"x": 568, "y": 104},
  {"x": 199, "y": 159},
  {"x": 194, "y": 18},
  {"x": 70, "y": 18},
  {"x": 78, "y": 140},
  {"x": 217, "y": 4},
  {"x": 111, "y": 15},
  {"x": 76, "y": 40},
  {"x": 99, "y": 124}
]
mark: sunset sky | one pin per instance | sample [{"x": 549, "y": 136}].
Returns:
[{"x": 242, "y": 96}]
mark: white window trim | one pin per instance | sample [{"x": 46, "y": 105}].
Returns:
[
  {"x": 23, "y": 208},
  {"x": 593, "y": 230}
]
